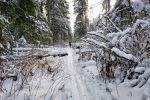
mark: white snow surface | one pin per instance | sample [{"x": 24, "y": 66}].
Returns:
[
  {"x": 147, "y": 89},
  {"x": 138, "y": 5},
  {"x": 76, "y": 85},
  {"x": 123, "y": 54},
  {"x": 139, "y": 69},
  {"x": 146, "y": 74}
]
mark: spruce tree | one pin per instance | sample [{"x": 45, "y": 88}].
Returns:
[
  {"x": 81, "y": 23},
  {"x": 57, "y": 14}
]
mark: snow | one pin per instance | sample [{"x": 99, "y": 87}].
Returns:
[
  {"x": 146, "y": 74},
  {"x": 123, "y": 54},
  {"x": 93, "y": 86},
  {"x": 145, "y": 63},
  {"x": 139, "y": 69},
  {"x": 76, "y": 80},
  {"x": 97, "y": 88},
  {"x": 125, "y": 2},
  {"x": 22, "y": 42},
  {"x": 68, "y": 77},
  {"x": 138, "y": 5},
  {"x": 147, "y": 7},
  {"x": 3, "y": 57},
  {"x": 97, "y": 33},
  {"x": 3, "y": 19},
  {"x": 139, "y": 22},
  {"x": 100, "y": 44},
  {"x": 42, "y": 26},
  {"x": 1, "y": 46},
  {"x": 78, "y": 89},
  {"x": 26, "y": 51},
  {"x": 115, "y": 37},
  {"x": 147, "y": 89}
]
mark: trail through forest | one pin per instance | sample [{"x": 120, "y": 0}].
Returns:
[
  {"x": 76, "y": 85},
  {"x": 82, "y": 83}
]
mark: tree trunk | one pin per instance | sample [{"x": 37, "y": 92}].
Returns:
[{"x": 48, "y": 12}]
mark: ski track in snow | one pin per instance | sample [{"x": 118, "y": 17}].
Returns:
[{"x": 77, "y": 86}]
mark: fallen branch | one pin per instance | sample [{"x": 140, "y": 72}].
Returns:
[{"x": 54, "y": 55}]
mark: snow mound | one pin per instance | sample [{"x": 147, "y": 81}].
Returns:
[
  {"x": 146, "y": 74},
  {"x": 139, "y": 69}
]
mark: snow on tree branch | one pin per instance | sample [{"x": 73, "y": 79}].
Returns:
[
  {"x": 97, "y": 34},
  {"x": 141, "y": 23},
  {"x": 116, "y": 37},
  {"x": 99, "y": 44},
  {"x": 118, "y": 29},
  {"x": 123, "y": 54}
]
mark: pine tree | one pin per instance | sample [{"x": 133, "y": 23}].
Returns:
[{"x": 81, "y": 23}]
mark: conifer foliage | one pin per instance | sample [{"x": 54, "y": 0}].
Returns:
[
  {"x": 81, "y": 23},
  {"x": 57, "y": 14}
]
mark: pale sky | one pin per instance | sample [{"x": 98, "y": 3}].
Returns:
[{"x": 94, "y": 9}]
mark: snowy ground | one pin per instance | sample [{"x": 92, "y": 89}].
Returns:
[
  {"x": 85, "y": 83},
  {"x": 75, "y": 80}
]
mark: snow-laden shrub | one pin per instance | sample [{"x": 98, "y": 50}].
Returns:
[
  {"x": 109, "y": 57},
  {"x": 137, "y": 42},
  {"x": 125, "y": 48},
  {"x": 124, "y": 41}
]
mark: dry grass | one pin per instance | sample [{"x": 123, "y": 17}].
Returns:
[{"x": 26, "y": 70}]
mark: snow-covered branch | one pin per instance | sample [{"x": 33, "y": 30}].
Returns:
[
  {"x": 94, "y": 42},
  {"x": 118, "y": 29},
  {"x": 123, "y": 54}
]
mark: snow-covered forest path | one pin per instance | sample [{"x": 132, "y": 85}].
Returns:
[
  {"x": 83, "y": 83},
  {"x": 76, "y": 85}
]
